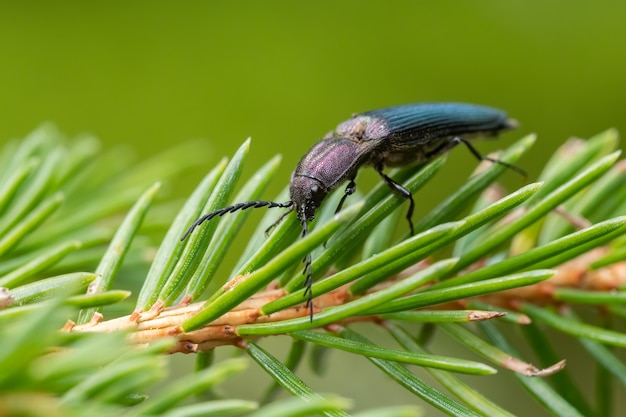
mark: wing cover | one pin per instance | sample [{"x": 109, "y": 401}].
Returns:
[{"x": 428, "y": 120}]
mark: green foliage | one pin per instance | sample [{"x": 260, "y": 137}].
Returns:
[{"x": 64, "y": 249}]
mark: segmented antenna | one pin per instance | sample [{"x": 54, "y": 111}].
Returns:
[
  {"x": 236, "y": 207},
  {"x": 307, "y": 272}
]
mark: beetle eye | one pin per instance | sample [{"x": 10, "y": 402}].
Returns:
[{"x": 315, "y": 188}]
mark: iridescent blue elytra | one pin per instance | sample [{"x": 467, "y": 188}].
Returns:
[{"x": 394, "y": 136}]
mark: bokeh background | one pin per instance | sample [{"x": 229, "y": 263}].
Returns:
[{"x": 155, "y": 73}]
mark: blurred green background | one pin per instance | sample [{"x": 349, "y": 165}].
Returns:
[
  {"x": 156, "y": 73},
  {"x": 152, "y": 74}
]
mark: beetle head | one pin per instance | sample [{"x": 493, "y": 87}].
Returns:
[{"x": 307, "y": 194}]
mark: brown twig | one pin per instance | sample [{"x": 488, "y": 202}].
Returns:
[
  {"x": 153, "y": 325},
  {"x": 159, "y": 322}
]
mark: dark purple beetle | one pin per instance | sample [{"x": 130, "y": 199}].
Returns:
[{"x": 396, "y": 136}]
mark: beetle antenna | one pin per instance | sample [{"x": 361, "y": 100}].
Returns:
[
  {"x": 307, "y": 272},
  {"x": 236, "y": 207}
]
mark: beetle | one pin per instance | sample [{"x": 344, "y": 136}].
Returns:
[{"x": 410, "y": 134}]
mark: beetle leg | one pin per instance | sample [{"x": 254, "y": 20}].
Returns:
[
  {"x": 478, "y": 156},
  {"x": 402, "y": 192},
  {"x": 280, "y": 219},
  {"x": 350, "y": 189}
]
